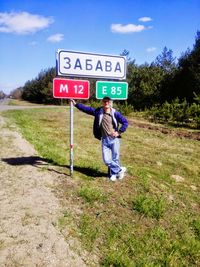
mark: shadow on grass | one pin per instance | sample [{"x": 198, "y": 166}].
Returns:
[
  {"x": 89, "y": 171},
  {"x": 39, "y": 162}
]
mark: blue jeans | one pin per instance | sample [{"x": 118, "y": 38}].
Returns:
[{"x": 110, "y": 154}]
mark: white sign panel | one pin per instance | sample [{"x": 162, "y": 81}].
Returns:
[{"x": 71, "y": 63}]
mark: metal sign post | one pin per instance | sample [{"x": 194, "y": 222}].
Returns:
[
  {"x": 71, "y": 89},
  {"x": 71, "y": 138}
]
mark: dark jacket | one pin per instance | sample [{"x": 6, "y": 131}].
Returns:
[{"x": 117, "y": 119}]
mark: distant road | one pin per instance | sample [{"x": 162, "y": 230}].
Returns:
[{"x": 4, "y": 106}]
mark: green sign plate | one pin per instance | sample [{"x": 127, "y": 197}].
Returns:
[{"x": 115, "y": 90}]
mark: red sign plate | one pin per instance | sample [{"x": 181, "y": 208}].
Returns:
[{"x": 66, "y": 88}]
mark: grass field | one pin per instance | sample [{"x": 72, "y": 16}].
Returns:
[
  {"x": 16, "y": 102},
  {"x": 151, "y": 217}
]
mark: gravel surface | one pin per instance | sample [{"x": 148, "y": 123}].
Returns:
[{"x": 29, "y": 209}]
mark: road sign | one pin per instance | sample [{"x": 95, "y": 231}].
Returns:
[
  {"x": 71, "y": 63},
  {"x": 75, "y": 89},
  {"x": 115, "y": 90}
]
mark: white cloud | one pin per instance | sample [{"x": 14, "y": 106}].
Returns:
[
  {"x": 145, "y": 19},
  {"x": 55, "y": 38},
  {"x": 23, "y": 22},
  {"x": 129, "y": 28},
  {"x": 151, "y": 49}
]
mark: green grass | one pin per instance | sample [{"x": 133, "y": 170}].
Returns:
[
  {"x": 150, "y": 206},
  {"x": 92, "y": 195},
  {"x": 147, "y": 219},
  {"x": 16, "y": 102}
]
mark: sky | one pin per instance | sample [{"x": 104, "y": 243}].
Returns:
[{"x": 32, "y": 31}]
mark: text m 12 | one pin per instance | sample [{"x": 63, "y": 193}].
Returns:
[{"x": 71, "y": 89}]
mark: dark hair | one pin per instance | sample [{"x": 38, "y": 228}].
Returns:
[{"x": 106, "y": 98}]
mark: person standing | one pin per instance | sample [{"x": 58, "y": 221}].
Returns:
[{"x": 106, "y": 128}]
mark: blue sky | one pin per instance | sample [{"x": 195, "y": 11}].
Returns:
[{"x": 32, "y": 31}]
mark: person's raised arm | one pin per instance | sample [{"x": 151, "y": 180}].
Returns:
[{"x": 85, "y": 109}]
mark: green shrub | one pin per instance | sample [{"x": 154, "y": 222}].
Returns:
[
  {"x": 180, "y": 111},
  {"x": 177, "y": 113},
  {"x": 195, "y": 114},
  {"x": 124, "y": 108}
]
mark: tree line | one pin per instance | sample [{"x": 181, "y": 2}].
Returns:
[
  {"x": 150, "y": 84},
  {"x": 2, "y": 95}
]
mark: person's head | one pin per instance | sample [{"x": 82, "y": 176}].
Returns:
[{"x": 107, "y": 102}]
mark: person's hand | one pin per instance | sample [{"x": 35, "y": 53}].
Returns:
[
  {"x": 73, "y": 101},
  {"x": 115, "y": 134}
]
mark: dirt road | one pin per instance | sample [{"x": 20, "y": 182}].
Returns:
[
  {"x": 4, "y": 105},
  {"x": 29, "y": 209}
]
